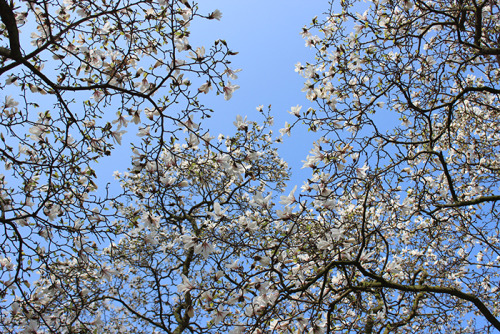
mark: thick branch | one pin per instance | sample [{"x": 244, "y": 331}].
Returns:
[
  {"x": 448, "y": 176},
  {"x": 478, "y": 26},
  {"x": 470, "y": 202},
  {"x": 9, "y": 20}
]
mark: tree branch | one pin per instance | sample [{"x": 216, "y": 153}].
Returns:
[
  {"x": 470, "y": 202},
  {"x": 9, "y": 20}
]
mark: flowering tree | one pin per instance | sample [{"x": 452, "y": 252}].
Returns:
[
  {"x": 74, "y": 75},
  {"x": 396, "y": 230},
  {"x": 193, "y": 227},
  {"x": 406, "y": 173}
]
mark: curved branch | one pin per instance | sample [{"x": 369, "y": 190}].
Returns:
[{"x": 383, "y": 283}]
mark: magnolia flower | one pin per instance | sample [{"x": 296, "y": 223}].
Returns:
[
  {"x": 250, "y": 225},
  {"x": 150, "y": 113},
  {"x": 361, "y": 172},
  {"x": 185, "y": 286},
  {"x": 233, "y": 265},
  {"x": 208, "y": 296},
  {"x": 228, "y": 90},
  {"x": 299, "y": 68},
  {"x": 136, "y": 116},
  {"x": 479, "y": 256},
  {"x": 253, "y": 156},
  {"x": 10, "y": 102},
  {"x": 167, "y": 181},
  {"x": 186, "y": 13},
  {"x": 286, "y": 129},
  {"x": 89, "y": 123},
  {"x": 53, "y": 212},
  {"x": 198, "y": 55},
  {"x": 36, "y": 39},
  {"x": 393, "y": 268},
  {"x": 286, "y": 213},
  {"x": 117, "y": 136},
  {"x": 168, "y": 158},
  {"x": 151, "y": 238},
  {"x": 311, "y": 95},
  {"x": 223, "y": 160},
  {"x": 189, "y": 241},
  {"x": 98, "y": 320},
  {"x": 311, "y": 161},
  {"x": 206, "y": 87},
  {"x": 82, "y": 12},
  {"x": 183, "y": 184},
  {"x": 106, "y": 28},
  {"x": 305, "y": 32},
  {"x": 190, "y": 124},
  {"x": 217, "y": 213},
  {"x": 193, "y": 140},
  {"x": 207, "y": 138},
  {"x": 290, "y": 199},
  {"x": 37, "y": 132},
  {"x": 150, "y": 221},
  {"x": 204, "y": 248},
  {"x": 306, "y": 186},
  {"x": 12, "y": 79},
  {"x": 120, "y": 120},
  {"x": 406, "y": 122},
  {"x": 295, "y": 110},
  {"x": 407, "y": 5},
  {"x": 240, "y": 123},
  {"x": 336, "y": 233},
  {"x": 143, "y": 85},
  {"x": 312, "y": 41},
  {"x": 232, "y": 73},
  {"x": 15, "y": 307},
  {"x": 182, "y": 44},
  {"x": 265, "y": 260},
  {"x": 219, "y": 315},
  {"x": 366, "y": 256},
  {"x": 107, "y": 273},
  {"x": 323, "y": 244},
  {"x": 97, "y": 95},
  {"x": 6, "y": 264},
  {"x": 216, "y": 14},
  {"x": 364, "y": 16},
  {"x": 259, "y": 200},
  {"x": 143, "y": 131}
]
